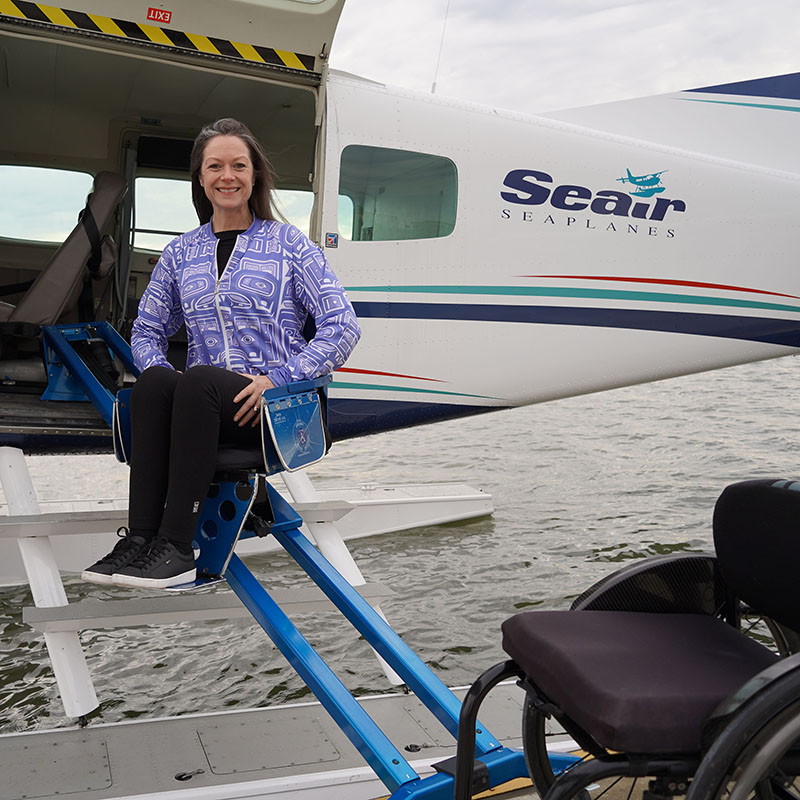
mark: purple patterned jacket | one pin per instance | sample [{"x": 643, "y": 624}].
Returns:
[{"x": 251, "y": 319}]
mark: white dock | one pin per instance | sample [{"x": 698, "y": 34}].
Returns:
[{"x": 293, "y": 751}]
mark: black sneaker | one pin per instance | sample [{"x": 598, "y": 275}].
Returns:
[
  {"x": 125, "y": 551},
  {"x": 157, "y": 567}
]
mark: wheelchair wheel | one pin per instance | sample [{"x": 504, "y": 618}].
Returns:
[
  {"x": 765, "y": 630},
  {"x": 534, "y": 743},
  {"x": 758, "y": 754},
  {"x": 537, "y": 729}
]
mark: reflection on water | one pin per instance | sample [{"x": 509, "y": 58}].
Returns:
[{"x": 580, "y": 486}]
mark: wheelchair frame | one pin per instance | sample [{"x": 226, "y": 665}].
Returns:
[{"x": 765, "y": 708}]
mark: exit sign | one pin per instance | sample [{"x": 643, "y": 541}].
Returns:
[{"x": 159, "y": 15}]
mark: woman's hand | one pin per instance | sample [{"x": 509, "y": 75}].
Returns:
[{"x": 250, "y": 397}]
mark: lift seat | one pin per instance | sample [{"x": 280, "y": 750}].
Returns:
[{"x": 232, "y": 459}]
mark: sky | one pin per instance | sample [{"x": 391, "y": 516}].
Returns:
[{"x": 542, "y": 55}]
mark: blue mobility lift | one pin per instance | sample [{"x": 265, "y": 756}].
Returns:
[
  {"x": 293, "y": 435},
  {"x": 74, "y": 359}
]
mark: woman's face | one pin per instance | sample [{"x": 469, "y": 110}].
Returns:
[{"x": 227, "y": 177}]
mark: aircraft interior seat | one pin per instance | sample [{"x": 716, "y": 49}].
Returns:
[{"x": 87, "y": 252}]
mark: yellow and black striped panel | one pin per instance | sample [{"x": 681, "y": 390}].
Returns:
[{"x": 153, "y": 34}]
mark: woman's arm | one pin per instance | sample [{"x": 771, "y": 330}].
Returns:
[
  {"x": 319, "y": 291},
  {"x": 159, "y": 316}
]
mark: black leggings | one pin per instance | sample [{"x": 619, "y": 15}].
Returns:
[{"x": 177, "y": 422}]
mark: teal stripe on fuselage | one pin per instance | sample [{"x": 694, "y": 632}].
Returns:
[
  {"x": 594, "y": 294},
  {"x": 376, "y": 387},
  {"x": 769, "y": 106}
]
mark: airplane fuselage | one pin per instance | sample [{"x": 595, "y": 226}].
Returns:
[{"x": 488, "y": 257}]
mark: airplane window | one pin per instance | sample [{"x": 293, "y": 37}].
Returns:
[
  {"x": 44, "y": 204},
  {"x": 396, "y": 194},
  {"x": 345, "y": 217},
  {"x": 164, "y": 210},
  {"x": 295, "y": 206}
]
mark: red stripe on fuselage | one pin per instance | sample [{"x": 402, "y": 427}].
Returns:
[
  {"x": 387, "y": 374},
  {"x": 697, "y": 284}
]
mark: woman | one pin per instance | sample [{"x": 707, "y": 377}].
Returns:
[{"x": 244, "y": 284}]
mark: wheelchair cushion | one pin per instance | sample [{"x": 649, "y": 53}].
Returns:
[
  {"x": 636, "y": 682},
  {"x": 758, "y": 545}
]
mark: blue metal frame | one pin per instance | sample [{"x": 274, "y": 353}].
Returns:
[
  {"x": 69, "y": 379},
  {"x": 219, "y": 528},
  {"x": 219, "y": 525},
  {"x": 388, "y": 763},
  {"x": 360, "y": 728},
  {"x": 442, "y": 703}
]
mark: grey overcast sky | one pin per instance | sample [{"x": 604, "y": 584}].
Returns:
[{"x": 542, "y": 55}]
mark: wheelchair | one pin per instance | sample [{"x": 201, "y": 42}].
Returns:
[{"x": 676, "y": 673}]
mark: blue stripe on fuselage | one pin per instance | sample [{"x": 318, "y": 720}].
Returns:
[
  {"x": 769, "y": 330},
  {"x": 350, "y": 417},
  {"x": 786, "y": 87}
]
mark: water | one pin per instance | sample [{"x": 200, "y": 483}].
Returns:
[{"x": 580, "y": 487}]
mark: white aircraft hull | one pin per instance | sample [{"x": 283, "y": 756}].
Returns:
[{"x": 558, "y": 279}]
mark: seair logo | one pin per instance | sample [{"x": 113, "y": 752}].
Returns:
[
  {"x": 528, "y": 187},
  {"x": 645, "y": 185}
]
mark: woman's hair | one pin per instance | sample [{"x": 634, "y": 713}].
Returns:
[{"x": 261, "y": 203}]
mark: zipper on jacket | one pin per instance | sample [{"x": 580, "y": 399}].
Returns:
[{"x": 223, "y": 331}]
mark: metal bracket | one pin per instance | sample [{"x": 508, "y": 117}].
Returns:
[{"x": 69, "y": 378}]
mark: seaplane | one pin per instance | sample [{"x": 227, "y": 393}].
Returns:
[
  {"x": 494, "y": 262},
  {"x": 646, "y": 185}
]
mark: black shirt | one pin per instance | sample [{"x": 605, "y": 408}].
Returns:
[{"x": 227, "y": 241}]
